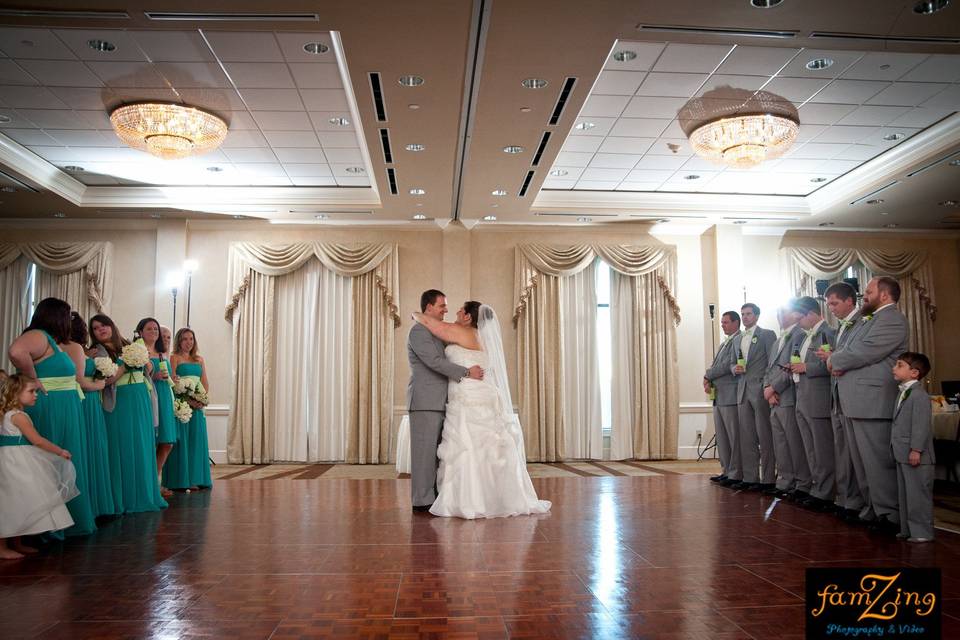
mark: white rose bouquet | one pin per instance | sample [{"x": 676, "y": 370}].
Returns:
[
  {"x": 191, "y": 390},
  {"x": 135, "y": 355},
  {"x": 105, "y": 367},
  {"x": 182, "y": 410}
]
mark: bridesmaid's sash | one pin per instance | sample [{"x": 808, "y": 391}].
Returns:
[{"x": 62, "y": 383}]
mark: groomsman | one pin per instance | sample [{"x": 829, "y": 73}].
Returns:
[
  {"x": 721, "y": 384},
  {"x": 793, "y": 473},
  {"x": 812, "y": 379},
  {"x": 868, "y": 393},
  {"x": 753, "y": 411},
  {"x": 842, "y": 301}
]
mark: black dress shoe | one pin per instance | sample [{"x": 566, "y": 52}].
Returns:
[
  {"x": 422, "y": 507},
  {"x": 719, "y": 478},
  {"x": 883, "y": 526},
  {"x": 729, "y": 482},
  {"x": 766, "y": 486},
  {"x": 797, "y": 496},
  {"x": 773, "y": 491}
]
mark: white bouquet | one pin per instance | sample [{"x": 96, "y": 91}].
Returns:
[
  {"x": 105, "y": 367},
  {"x": 182, "y": 410},
  {"x": 183, "y": 386},
  {"x": 135, "y": 355}
]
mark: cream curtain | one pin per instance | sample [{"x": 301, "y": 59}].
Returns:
[
  {"x": 538, "y": 317},
  {"x": 583, "y": 434},
  {"x": 252, "y": 296},
  {"x": 803, "y": 265},
  {"x": 14, "y": 300}
]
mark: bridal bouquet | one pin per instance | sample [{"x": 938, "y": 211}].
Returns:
[
  {"x": 182, "y": 410},
  {"x": 135, "y": 355},
  {"x": 105, "y": 367}
]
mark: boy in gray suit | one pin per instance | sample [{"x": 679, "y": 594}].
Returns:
[
  {"x": 430, "y": 372},
  {"x": 911, "y": 441},
  {"x": 720, "y": 382}
]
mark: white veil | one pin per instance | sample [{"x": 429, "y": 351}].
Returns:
[{"x": 496, "y": 374}]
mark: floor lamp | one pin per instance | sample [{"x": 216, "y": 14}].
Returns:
[
  {"x": 189, "y": 267},
  {"x": 174, "y": 282},
  {"x": 712, "y": 444}
]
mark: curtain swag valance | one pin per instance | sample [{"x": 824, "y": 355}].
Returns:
[
  {"x": 344, "y": 259},
  {"x": 60, "y": 258},
  {"x": 532, "y": 260}
]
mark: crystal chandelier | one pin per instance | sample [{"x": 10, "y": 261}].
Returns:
[
  {"x": 745, "y": 140},
  {"x": 168, "y": 131}
]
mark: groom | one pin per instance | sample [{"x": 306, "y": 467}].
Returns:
[{"x": 427, "y": 398}]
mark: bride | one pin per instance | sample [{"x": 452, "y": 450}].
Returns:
[{"x": 483, "y": 472}]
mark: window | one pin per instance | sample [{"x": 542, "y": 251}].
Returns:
[{"x": 604, "y": 345}]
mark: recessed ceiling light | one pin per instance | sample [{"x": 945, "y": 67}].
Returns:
[
  {"x": 155, "y": 216},
  {"x": 72, "y": 168},
  {"x": 525, "y": 109},
  {"x": 691, "y": 176},
  {"x": 624, "y": 56},
  {"x": 661, "y": 220},
  {"x": 494, "y": 206},
  {"x": 819, "y": 63},
  {"x": 6, "y": 189},
  {"x": 415, "y": 147},
  {"x": 215, "y": 169},
  {"x": 876, "y": 201},
  {"x": 892, "y": 225},
  {"x": 890, "y": 137},
  {"x": 884, "y": 213},
  {"x": 584, "y": 219},
  {"x": 354, "y": 169},
  {"x": 927, "y": 7},
  {"x": 321, "y": 216},
  {"x": 558, "y": 172},
  {"x": 534, "y": 83},
  {"x": 949, "y": 203},
  {"x": 239, "y": 217},
  {"x": 498, "y": 192},
  {"x": 419, "y": 216},
  {"x": 826, "y": 224},
  {"x": 101, "y": 45},
  {"x": 410, "y": 81},
  {"x": 339, "y": 122},
  {"x": 513, "y": 149},
  {"x": 5, "y": 119},
  {"x": 764, "y": 4},
  {"x": 583, "y": 126},
  {"x": 884, "y": 67},
  {"x": 316, "y": 48},
  {"x": 490, "y": 218},
  {"x": 739, "y": 222},
  {"x": 413, "y": 107},
  {"x": 417, "y": 191},
  {"x": 59, "y": 215},
  {"x": 955, "y": 163},
  {"x": 820, "y": 179}
]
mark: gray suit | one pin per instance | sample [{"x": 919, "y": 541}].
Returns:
[
  {"x": 430, "y": 373},
  {"x": 813, "y": 415},
  {"x": 793, "y": 472},
  {"x": 912, "y": 430},
  {"x": 868, "y": 394},
  {"x": 754, "y": 412},
  {"x": 849, "y": 494},
  {"x": 725, "y": 421}
]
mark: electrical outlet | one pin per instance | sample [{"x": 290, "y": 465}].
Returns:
[{"x": 699, "y": 434}]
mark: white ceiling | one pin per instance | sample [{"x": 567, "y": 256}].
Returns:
[
  {"x": 277, "y": 99},
  {"x": 633, "y": 140}
]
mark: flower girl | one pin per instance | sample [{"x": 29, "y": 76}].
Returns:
[{"x": 35, "y": 481}]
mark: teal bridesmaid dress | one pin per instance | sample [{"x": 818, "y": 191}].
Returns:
[
  {"x": 198, "y": 450},
  {"x": 167, "y": 429},
  {"x": 133, "y": 470},
  {"x": 98, "y": 456},
  {"x": 176, "y": 471},
  {"x": 58, "y": 417}
]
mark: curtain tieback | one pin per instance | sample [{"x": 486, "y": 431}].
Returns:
[{"x": 62, "y": 383}]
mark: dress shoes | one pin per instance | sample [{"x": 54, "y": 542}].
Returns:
[
  {"x": 850, "y": 516},
  {"x": 883, "y": 526},
  {"x": 719, "y": 478},
  {"x": 773, "y": 491},
  {"x": 746, "y": 486},
  {"x": 763, "y": 487},
  {"x": 422, "y": 507},
  {"x": 729, "y": 482},
  {"x": 796, "y": 495}
]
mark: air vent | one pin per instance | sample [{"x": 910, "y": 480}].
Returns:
[
  {"x": 385, "y": 143},
  {"x": 392, "y": 179},
  {"x": 562, "y": 100},
  {"x": 526, "y": 184},
  {"x": 64, "y": 14},
  {"x": 186, "y": 16},
  {"x": 823, "y": 35},
  {"x": 378, "y": 105},
  {"x": 543, "y": 145},
  {"x": 872, "y": 194},
  {"x": 743, "y": 33},
  {"x": 932, "y": 164}
]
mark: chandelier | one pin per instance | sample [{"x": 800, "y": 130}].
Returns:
[
  {"x": 168, "y": 131},
  {"x": 738, "y": 127}
]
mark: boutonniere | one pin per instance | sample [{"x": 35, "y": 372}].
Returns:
[
  {"x": 754, "y": 341},
  {"x": 906, "y": 394},
  {"x": 867, "y": 318},
  {"x": 847, "y": 323}
]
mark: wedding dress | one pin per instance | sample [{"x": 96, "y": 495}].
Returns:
[{"x": 483, "y": 472}]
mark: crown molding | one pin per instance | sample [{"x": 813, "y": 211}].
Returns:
[
  {"x": 40, "y": 172},
  {"x": 659, "y": 203}
]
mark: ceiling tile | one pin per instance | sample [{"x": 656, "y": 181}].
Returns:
[
  {"x": 638, "y": 186},
  {"x": 604, "y": 174},
  {"x": 907, "y": 93},
  {"x": 604, "y": 106},
  {"x": 77, "y": 39},
  {"x": 51, "y": 118},
  {"x": 90, "y": 119},
  {"x": 601, "y": 126},
  {"x": 338, "y": 139},
  {"x": 344, "y": 156},
  {"x": 841, "y": 61},
  {"x": 558, "y": 183},
  {"x": 84, "y": 138},
  {"x": 61, "y": 73},
  {"x": 661, "y": 163},
  {"x": 649, "y": 175},
  {"x": 269, "y": 169},
  {"x": 673, "y": 130},
  {"x": 301, "y": 170},
  {"x": 921, "y": 117},
  {"x": 173, "y": 46},
  {"x": 949, "y": 98},
  {"x": 324, "y": 99},
  {"x": 321, "y": 120},
  {"x": 823, "y": 151},
  {"x": 21, "y": 97},
  {"x": 848, "y": 134},
  {"x": 283, "y": 120},
  {"x": 565, "y": 173},
  {"x": 28, "y": 137},
  {"x": 11, "y": 73},
  {"x": 314, "y": 181},
  {"x": 572, "y": 159},
  {"x": 316, "y": 76},
  {"x": 700, "y": 165},
  {"x": 838, "y": 166},
  {"x": 259, "y": 75},
  {"x": 820, "y": 113},
  {"x": 40, "y": 44},
  {"x": 680, "y": 85},
  {"x": 99, "y": 98},
  {"x": 613, "y": 161},
  {"x": 240, "y": 138},
  {"x": 691, "y": 58},
  {"x": 849, "y": 91},
  {"x": 618, "y": 83},
  {"x": 639, "y": 127},
  {"x": 647, "y": 54},
  {"x": 118, "y": 95},
  {"x": 239, "y": 120},
  {"x": 291, "y": 44},
  {"x": 250, "y": 155},
  {"x": 795, "y": 90},
  {"x": 353, "y": 181},
  {"x": 213, "y": 99},
  {"x": 627, "y": 145},
  {"x": 936, "y": 68},
  {"x": 874, "y": 115},
  {"x": 231, "y": 46},
  {"x": 790, "y": 165},
  {"x": 186, "y": 75},
  {"x": 273, "y": 100},
  {"x": 671, "y": 146},
  {"x": 653, "y": 107},
  {"x": 859, "y": 152},
  {"x": 126, "y": 74},
  {"x": 584, "y": 144},
  {"x": 884, "y": 65},
  {"x": 756, "y": 61},
  {"x": 58, "y": 154},
  {"x": 591, "y": 185},
  {"x": 272, "y": 181},
  {"x": 750, "y": 83},
  {"x": 302, "y": 139},
  {"x": 809, "y": 131}
]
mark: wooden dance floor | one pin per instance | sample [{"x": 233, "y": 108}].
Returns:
[{"x": 667, "y": 556}]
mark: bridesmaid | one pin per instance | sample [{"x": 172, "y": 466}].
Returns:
[
  {"x": 176, "y": 472},
  {"x": 148, "y": 330},
  {"x": 187, "y": 363},
  {"x": 129, "y": 418},
  {"x": 58, "y": 413},
  {"x": 98, "y": 455}
]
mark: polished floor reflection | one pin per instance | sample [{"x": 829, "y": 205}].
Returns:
[{"x": 618, "y": 557}]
